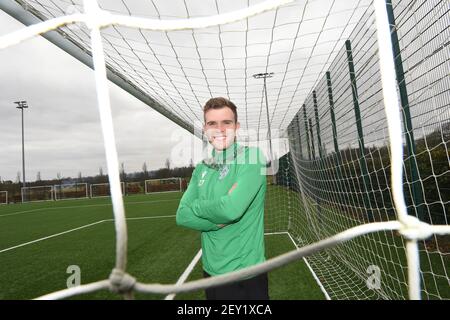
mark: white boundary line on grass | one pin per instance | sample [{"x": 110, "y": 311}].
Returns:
[
  {"x": 86, "y": 206},
  {"x": 51, "y": 236},
  {"x": 186, "y": 273},
  {"x": 144, "y": 218},
  {"x": 75, "y": 229},
  {"x": 322, "y": 288}
]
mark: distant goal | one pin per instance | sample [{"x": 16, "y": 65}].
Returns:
[
  {"x": 71, "y": 191},
  {"x": 98, "y": 190},
  {"x": 132, "y": 188},
  {"x": 3, "y": 197},
  {"x": 37, "y": 193},
  {"x": 163, "y": 185}
]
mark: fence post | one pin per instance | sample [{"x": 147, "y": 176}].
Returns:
[
  {"x": 319, "y": 185},
  {"x": 362, "y": 161},
  {"x": 316, "y": 113},
  {"x": 313, "y": 148},
  {"x": 338, "y": 157},
  {"x": 307, "y": 132},
  {"x": 300, "y": 147}
]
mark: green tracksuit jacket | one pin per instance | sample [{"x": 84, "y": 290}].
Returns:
[{"x": 207, "y": 204}]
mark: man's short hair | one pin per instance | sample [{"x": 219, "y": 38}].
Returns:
[{"x": 219, "y": 103}]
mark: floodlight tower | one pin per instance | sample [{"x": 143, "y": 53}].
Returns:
[
  {"x": 264, "y": 76},
  {"x": 22, "y": 105}
]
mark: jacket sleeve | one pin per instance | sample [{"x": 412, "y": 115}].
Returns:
[
  {"x": 230, "y": 207},
  {"x": 185, "y": 216}
]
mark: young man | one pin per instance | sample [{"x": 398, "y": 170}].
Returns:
[{"x": 225, "y": 201}]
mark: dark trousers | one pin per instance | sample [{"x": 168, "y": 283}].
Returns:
[{"x": 256, "y": 288}]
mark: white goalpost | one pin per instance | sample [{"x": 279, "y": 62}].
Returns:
[
  {"x": 99, "y": 190},
  {"x": 71, "y": 191},
  {"x": 163, "y": 185},
  {"x": 37, "y": 193},
  {"x": 3, "y": 197}
]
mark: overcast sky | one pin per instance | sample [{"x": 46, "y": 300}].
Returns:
[{"x": 62, "y": 128}]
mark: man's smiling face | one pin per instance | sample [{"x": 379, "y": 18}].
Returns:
[{"x": 220, "y": 127}]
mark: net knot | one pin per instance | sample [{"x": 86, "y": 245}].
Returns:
[
  {"x": 121, "y": 282},
  {"x": 414, "y": 229}
]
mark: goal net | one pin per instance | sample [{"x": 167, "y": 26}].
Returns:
[
  {"x": 37, "y": 193},
  {"x": 134, "y": 188},
  {"x": 308, "y": 73},
  {"x": 3, "y": 197},
  {"x": 98, "y": 190},
  {"x": 163, "y": 185},
  {"x": 338, "y": 172},
  {"x": 71, "y": 191}
]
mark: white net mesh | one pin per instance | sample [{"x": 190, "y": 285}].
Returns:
[
  {"x": 340, "y": 157},
  {"x": 183, "y": 69}
]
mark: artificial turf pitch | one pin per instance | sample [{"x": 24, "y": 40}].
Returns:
[{"x": 39, "y": 241}]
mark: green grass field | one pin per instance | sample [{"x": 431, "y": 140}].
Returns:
[{"x": 39, "y": 241}]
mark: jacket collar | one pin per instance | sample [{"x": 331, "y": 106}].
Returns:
[{"x": 221, "y": 158}]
